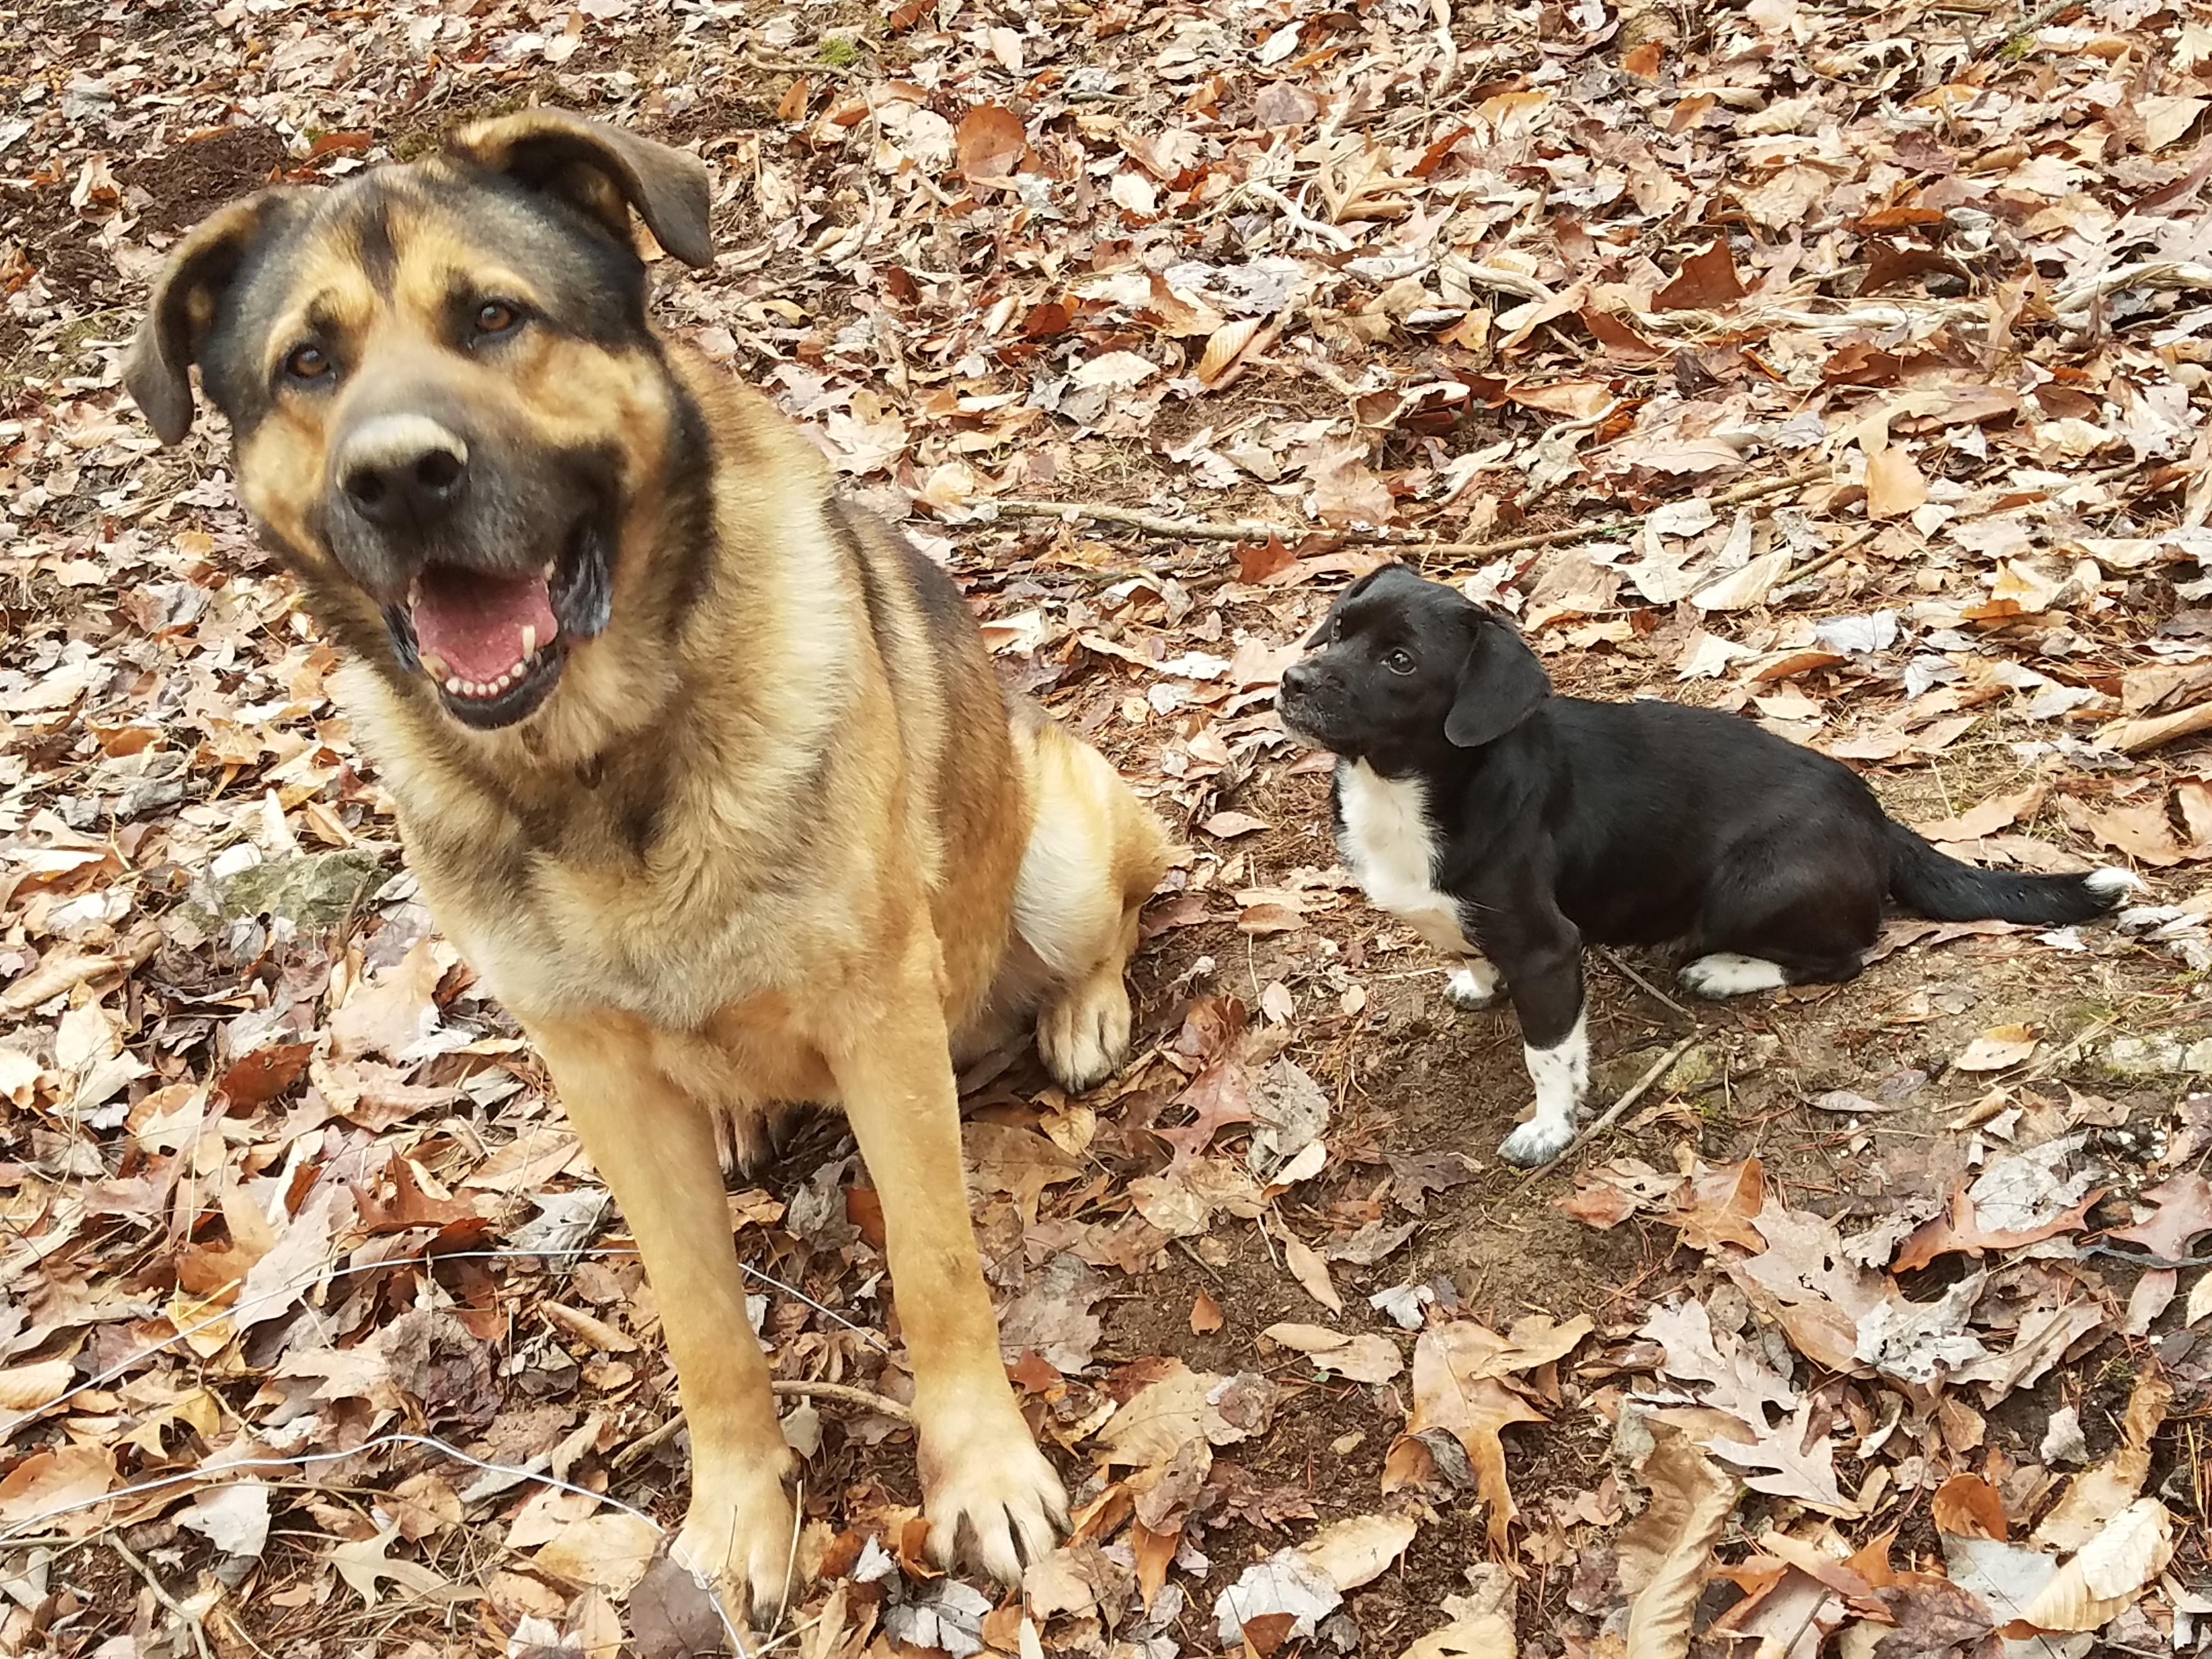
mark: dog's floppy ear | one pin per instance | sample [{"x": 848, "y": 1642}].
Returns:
[
  {"x": 601, "y": 169},
  {"x": 1320, "y": 635},
  {"x": 157, "y": 370},
  {"x": 1500, "y": 683}
]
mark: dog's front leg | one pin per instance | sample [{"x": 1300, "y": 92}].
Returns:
[
  {"x": 1540, "y": 953},
  {"x": 655, "y": 1146},
  {"x": 979, "y": 1463}
]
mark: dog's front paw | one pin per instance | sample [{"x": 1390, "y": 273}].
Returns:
[
  {"x": 984, "y": 1483},
  {"x": 1083, "y": 1035},
  {"x": 1474, "y": 986},
  {"x": 738, "y": 1536},
  {"x": 1537, "y": 1141}
]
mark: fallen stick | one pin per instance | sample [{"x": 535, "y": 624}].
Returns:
[
  {"x": 1623, "y": 968},
  {"x": 1636, "y": 1091},
  {"x": 843, "y": 1394},
  {"x": 1186, "y": 529},
  {"x": 1255, "y": 530}
]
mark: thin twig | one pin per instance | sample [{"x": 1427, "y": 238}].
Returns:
[
  {"x": 1583, "y": 533},
  {"x": 1805, "y": 572},
  {"x": 1257, "y": 529},
  {"x": 1191, "y": 530},
  {"x": 1636, "y": 1091},
  {"x": 1647, "y": 984},
  {"x": 2015, "y": 44},
  {"x": 845, "y": 1395},
  {"x": 192, "y": 1620},
  {"x": 2073, "y": 1050},
  {"x": 638, "y": 1449},
  {"x": 265, "y": 1463}
]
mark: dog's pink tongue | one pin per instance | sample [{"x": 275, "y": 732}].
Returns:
[{"x": 475, "y": 622}]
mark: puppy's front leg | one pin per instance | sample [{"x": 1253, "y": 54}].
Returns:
[
  {"x": 655, "y": 1146},
  {"x": 979, "y": 1463},
  {"x": 1540, "y": 952}
]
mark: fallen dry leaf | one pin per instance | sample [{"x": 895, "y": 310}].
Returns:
[
  {"x": 1665, "y": 1551},
  {"x": 1357, "y": 1550},
  {"x": 2108, "y": 1571},
  {"x": 1969, "y": 1506},
  {"x": 1998, "y": 1048},
  {"x": 1894, "y": 485}
]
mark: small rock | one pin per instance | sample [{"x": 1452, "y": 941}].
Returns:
[
  {"x": 2158, "y": 1056},
  {"x": 1699, "y": 1069},
  {"x": 311, "y": 892},
  {"x": 2063, "y": 1444}
]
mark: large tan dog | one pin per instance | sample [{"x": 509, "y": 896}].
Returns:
[{"x": 706, "y": 772}]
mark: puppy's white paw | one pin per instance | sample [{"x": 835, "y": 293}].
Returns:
[
  {"x": 1726, "y": 974},
  {"x": 1474, "y": 986},
  {"x": 1537, "y": 1141},
  {"x": 984, "y": 1480}
]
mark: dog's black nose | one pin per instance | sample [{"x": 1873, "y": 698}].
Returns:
[
  {"x": 403, "y": 472},
  {"x": 1296, "y": 677}
]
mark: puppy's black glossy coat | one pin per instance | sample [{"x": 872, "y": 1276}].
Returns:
[{"x": 1551, "y": 820}]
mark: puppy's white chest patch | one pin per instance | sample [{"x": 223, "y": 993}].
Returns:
[{"x": 1390, "y": 845}]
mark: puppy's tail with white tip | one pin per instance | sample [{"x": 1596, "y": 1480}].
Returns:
[{"x": 1935, "y": 885}]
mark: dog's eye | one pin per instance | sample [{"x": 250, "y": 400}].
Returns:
[
  {"x": 308, "y": 362},
  {"x": 496, "y": 317},
  {"x": 1399, "y": 662}
]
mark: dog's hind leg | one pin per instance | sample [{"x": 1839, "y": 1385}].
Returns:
[
  {"x": 656, "y": 1146},
  {"x": 1475, "y": 983},
  {"x": 1785, "y": 912},
  {"x": 1095, "y": 853}
]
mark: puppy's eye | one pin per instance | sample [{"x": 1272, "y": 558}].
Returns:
[
  {"x": 308, "y": 362},
  {"x": 1399, "y": 662},
  {"x": 496, "y": 317}
]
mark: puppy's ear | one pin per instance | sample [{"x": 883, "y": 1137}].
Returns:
[
  {"x": 601, "y": 169},
  {"x": 1320, "y": 635},
  {"x": 157, "y": 369},
  {"x": 1500, "y": 683}
]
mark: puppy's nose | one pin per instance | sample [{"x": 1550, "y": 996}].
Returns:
[
  {"x": 403, "y": 472},
  {"x": 1298, "y": 678}
]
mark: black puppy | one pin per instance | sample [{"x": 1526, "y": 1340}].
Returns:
[{"x": 1507, "y": 825}]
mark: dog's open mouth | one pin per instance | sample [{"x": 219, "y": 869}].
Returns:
[{"x": 494, "y": 642}]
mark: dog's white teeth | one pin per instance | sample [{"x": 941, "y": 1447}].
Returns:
[
  {"x": 434, "y": 667},
  {"x": 547, "y": 571},
  {"x": 528, "y": 641},
  {"x": 455, "y": 684}
]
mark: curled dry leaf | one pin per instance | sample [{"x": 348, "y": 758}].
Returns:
[
  {"x": 1224, "y": 346},
  {"x": 1311, "y": 1272},
  {"x": 1665, "y": 1551},
  {"x": 2108, "y": 1573},
  {"x": 1360, "y": 1550}
]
